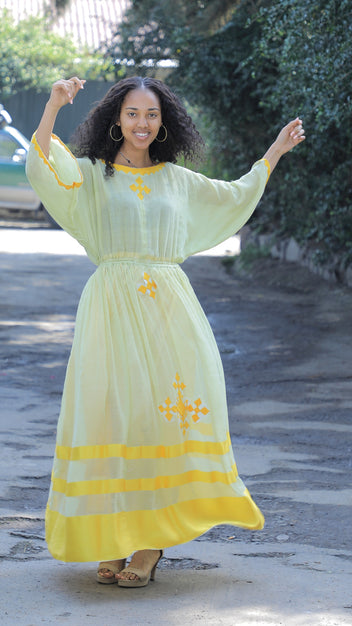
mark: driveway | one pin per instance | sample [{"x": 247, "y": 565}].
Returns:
[{"x": 285, "y": 337}]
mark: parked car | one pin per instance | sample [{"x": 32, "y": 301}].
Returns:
[{"x": 15, "y": 190}]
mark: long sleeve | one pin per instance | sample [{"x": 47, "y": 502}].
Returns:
[
  {"x": 57, "y": 181},
  {"x": 217, "y": 209}
]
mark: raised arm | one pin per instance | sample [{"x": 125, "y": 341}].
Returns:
[
  {"x": 62, "y": 93},
  {"x": 290, "y": 136}
]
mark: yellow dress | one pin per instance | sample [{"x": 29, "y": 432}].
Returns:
[{"x": 143, "y": 456}]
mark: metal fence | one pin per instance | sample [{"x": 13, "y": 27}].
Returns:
[{"x": 26, "y": 109}]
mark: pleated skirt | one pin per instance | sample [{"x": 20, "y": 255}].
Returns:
[{"x": 143, "y": 457}]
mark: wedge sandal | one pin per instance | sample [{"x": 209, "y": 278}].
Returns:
[
  {"x": 144, "y": 576},
  {"x": 111, "y": 567}
]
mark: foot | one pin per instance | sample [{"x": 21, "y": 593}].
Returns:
[
  {"x": 106, "y": 572},
  {"x": 143, "y": 560}
]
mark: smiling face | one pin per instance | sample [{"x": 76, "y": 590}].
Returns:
[{"x": 140, "y": 119}]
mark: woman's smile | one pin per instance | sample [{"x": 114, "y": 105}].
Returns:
[{"x": 141, "y": 135}]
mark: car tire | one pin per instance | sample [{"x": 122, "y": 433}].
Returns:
[{"x": 50, "y": 220}]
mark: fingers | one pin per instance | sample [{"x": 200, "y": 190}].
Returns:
[
  {"x": 290, "y": 136},
  {"x": 66, "y": 90},
  {"x": 73, "y": 86},
  {"x": 296, "y": 130}
]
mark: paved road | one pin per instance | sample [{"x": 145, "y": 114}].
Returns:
[{"x": 286, "y": 343}]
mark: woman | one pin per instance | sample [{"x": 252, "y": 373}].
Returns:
[{"x": 143, "y": 458}]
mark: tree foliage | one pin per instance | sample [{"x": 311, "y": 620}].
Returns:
[
  {"x": 308, "y": 47},
  {"x": 33, "y": 56},
  {"x": 246, "y": 68}
]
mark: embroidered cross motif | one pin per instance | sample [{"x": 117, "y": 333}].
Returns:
[
  {"x": 148, "y": 286},
  {"x": 140, "y": 188},
  {"x": 182, "y": 408}
]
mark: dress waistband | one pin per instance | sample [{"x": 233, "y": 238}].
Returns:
[{"x": 137, "y": 261}]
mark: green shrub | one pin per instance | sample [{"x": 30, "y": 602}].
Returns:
[{"x": 33, "y": 56}]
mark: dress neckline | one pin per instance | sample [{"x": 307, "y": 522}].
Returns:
[{"x": 139, "y": 170}]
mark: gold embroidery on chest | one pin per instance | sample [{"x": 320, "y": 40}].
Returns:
[
  {"x": 148, "y": 286},
  {"x": 182, "y": 408},
  {"x": 140, "y": 189}
]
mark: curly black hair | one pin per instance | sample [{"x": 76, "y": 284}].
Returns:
[{"x": 92, "y": 138}]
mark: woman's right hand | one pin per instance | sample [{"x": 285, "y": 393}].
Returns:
[{"x": 64, "y": 91}]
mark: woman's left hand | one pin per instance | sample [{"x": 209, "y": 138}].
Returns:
[{"x": 290, "y": 136}]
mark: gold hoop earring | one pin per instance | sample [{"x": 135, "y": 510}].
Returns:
[
  {"x": 165, "y": 138},
  {"x": 111, "y": 133}
]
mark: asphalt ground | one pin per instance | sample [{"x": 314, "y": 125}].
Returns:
[{"x": 286, "y": 344}]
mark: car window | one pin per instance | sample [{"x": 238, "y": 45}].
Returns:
[{"x": 7, "y": 145}]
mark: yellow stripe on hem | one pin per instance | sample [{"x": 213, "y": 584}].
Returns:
[
  {"x": 80, "y": 453},
  {"x": 47, "y": 162},
  {"x": 120, "y": 485},
  {"x": 116, "y": 535}
]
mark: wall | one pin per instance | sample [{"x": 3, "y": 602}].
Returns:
[{"x": 290, "y": 250}]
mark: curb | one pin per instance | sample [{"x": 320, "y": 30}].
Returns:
[{"x": 289, "y": 250}]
